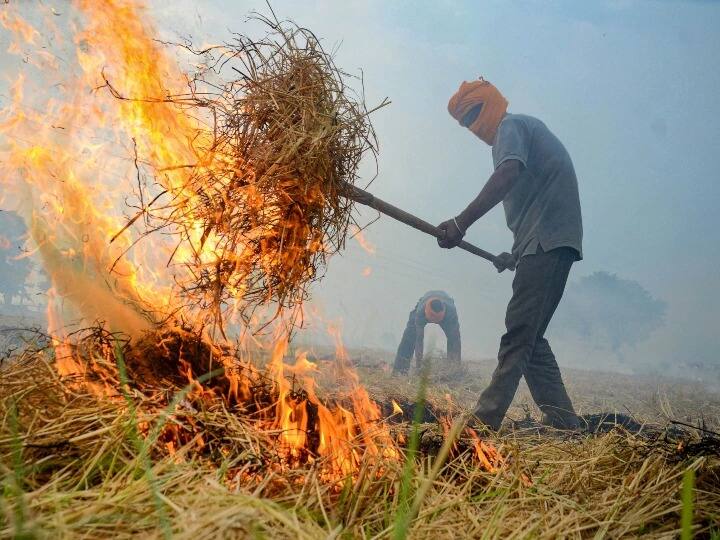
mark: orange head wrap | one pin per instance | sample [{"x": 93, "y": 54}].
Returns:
[
  {"x": 494, "y": 107},
  {"x": 430, "y": 314}
]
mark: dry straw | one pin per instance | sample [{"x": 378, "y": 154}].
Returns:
[
  {"x": 284, "y": 136},
  {"x": 74, "y": 466}
]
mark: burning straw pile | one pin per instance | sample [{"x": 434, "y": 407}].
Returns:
[
  {"x": 263, "y": 207},
  {"x": 75, "y": 466},
  {"x": 257, "y": 210}
]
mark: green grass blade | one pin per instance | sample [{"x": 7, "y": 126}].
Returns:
[
  {"x": 143, "y": 447},
  {"x": 686, "y": 518},
  {"x": 404, "y": 516},
  {"x": 15, "y": 485}
]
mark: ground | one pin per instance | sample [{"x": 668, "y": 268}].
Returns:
[
  {"x": 648, "y": 398},
  {"x": 74, "y": 466}
]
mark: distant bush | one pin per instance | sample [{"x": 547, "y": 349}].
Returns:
[
  {"x": 608, "y": 312},
  {"x": 14, "y": 269}
]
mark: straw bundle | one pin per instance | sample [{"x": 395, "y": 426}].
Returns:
[{"x": 284, "y": 137}]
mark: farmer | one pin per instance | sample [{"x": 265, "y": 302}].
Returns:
[
  {"x": 434, "y": 307},
  {"x": 535, "y": 179}
]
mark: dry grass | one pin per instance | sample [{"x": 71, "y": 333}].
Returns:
[
  {"x": 279, "y": 142},
  {"x": 75, "y": 466},
  {"x": 648, "y": 398}
]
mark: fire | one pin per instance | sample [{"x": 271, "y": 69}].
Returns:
[
  {"x": 60, "y": 171},
  {"x": 362, "y": 240},
  {"x": 345, "y": 434},
  {"x": 487, "y": 454},
  {"x": 291, "y": 415},
  {"x": 21, "y": 28},
  {"x": 75, "y": 158}
]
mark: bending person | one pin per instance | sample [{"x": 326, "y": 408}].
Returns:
[{"x": 434, "y": 307}]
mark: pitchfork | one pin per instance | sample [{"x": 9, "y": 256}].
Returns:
[{"x": 368, "y": 199}]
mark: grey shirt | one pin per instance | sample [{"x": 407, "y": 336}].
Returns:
[{"x": 543, "y": 208}]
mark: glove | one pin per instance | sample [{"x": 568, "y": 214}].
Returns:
[
  {"x": 505, "y": 261},
  {"x": 450, "y": 234}
]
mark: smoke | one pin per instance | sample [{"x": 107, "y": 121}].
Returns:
[{"x": 608, "y": 313}]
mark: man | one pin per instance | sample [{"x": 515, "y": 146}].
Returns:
[
  {"x": 434, "y": 307},
  {"x": 535, "y": 179}
]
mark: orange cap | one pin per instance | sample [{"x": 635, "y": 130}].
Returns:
[
  {"x": 430, "y": 314},
  {"x": 494, "y": 107}
]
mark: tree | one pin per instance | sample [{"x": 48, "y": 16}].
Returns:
[
  {"x": 14, "y": 270},
  {"x": 608, "y": 311}
]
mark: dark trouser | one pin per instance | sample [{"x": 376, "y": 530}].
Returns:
[
  {"x": 406, "y": 349},
  {"x": 537, "y": 288}
]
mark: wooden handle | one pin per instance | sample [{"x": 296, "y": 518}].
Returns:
[{"x": 368, "y": 199}]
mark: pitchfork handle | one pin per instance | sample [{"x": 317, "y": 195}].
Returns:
[{"x": 368, "y": 199}]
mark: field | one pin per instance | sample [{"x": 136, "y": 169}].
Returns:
[
  {"x": 182, "y": 199},
  {"x": 648, "y": 398},
  {"x": 74, "y": 465}
]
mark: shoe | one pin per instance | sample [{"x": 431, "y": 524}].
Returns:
[
  {"x": 565, "y": 422},
  {"x": 480, "y": 426}
]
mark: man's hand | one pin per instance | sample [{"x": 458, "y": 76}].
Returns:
[
  {"x": 505, "y": 261},
  {"x": 450, "y": 235}
]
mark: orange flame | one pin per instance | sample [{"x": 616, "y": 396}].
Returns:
[
  {"x": 396, "y": 408},
  {"x": 70, "y": 156},
  {"x": 362, "y": 240},
  {"x": 487, "y": 454},
  {"x": 21, "y": 28}
]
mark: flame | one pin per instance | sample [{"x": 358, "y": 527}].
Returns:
[
  {"x": 487, "y": 454},
  {"x": 396, "y": 408},
  {"x": 362, "y": 240},
  {"x": 73, "y": 156},
  {"x": 345, "y": 434},
  {"x": 291, "y": 414},
  {"x": 60, "y": 170},
  {"x": 367, "y": 271},
  {"x": 21, "y": 28}
]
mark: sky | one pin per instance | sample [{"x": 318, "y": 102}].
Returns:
[{"x": 629, "y": 87}]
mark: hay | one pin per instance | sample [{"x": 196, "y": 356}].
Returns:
[
  {"x": 180, "y": 362},
  {"x": 283, "y": 139},
  {"x": 73, "y": 466}
]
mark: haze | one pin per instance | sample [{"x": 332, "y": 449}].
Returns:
[{"x": 629, "y": 87}]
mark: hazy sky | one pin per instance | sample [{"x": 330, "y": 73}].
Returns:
[{"x": 629, "y": 87}]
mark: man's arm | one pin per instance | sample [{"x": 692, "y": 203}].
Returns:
[
  {"x": 496, "y": 188},
  {"x": 494, "y": 191}
]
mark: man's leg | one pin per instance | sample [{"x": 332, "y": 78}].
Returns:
[
  {"x": 406, "y": 349},
  {"x": 546, "y": 386},
  {"x": 452, "y": 334},
  {"x": 537, "y": 288}
]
